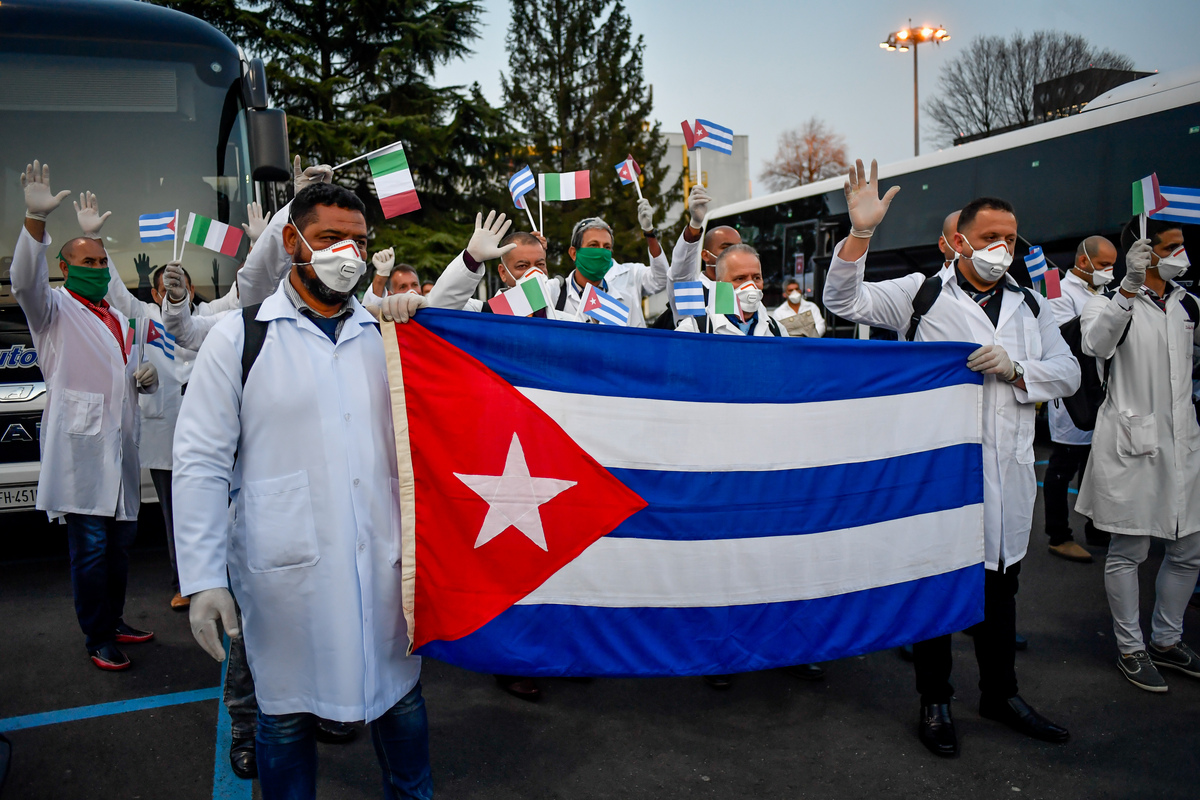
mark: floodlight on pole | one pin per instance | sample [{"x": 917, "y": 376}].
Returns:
[{"x": 904, "y": 40}]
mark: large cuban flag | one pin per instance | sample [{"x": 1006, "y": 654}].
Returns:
[{"x": 586, "y": 500}]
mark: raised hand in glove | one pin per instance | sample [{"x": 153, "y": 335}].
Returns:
[
  {"x": 141, "y": 263},
  {"x": 87, "y": 211},
  {"x": 39, "y": 200},
  {"x": 258, "y": 222},
  {"x": 485, "y": 241},
  {"x": 698, "y": 202},
  {"x": 206, "y": 609},
  {"x": 1137, "y": 261},
  {"x": 175, "y": 282},
  {"x": 321, "y": 173},
  {"x": 401, "y": 307},
  {"x": 384, "y": 260},
  {"x": 991, "y": 359},
  {"x": 645, "y": 214},
  {"x": 146, "y": 377},
  {"x": 866, "y": 207}
]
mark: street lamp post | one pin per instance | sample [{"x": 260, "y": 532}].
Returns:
[{"x": 903, "y": 40}]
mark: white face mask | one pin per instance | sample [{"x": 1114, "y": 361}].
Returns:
[
  {"x": 1174, "y": 265},
  {"x": 992, "y": 261},
  {"x": 748, "y": 296},
  {"x": 794, "y": 298},
  {"x": 1099, "y": 277},
  {"x": 339, "y": 266}
]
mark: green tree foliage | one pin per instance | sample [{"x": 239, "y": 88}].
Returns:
[
  {"x": 576, "y": 88},
  {"x": 355, "y": 75}
]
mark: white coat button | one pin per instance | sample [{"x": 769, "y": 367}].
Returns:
[
  {"x": 361, "y": 547},
  {"x": 356, "y": 481},
  {"x": 347, "y": 418},
  {"x": 335, "y": 356}
]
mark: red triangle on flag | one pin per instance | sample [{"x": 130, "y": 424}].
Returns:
[
  {"x": 701, "y": 131},
  {"x": 468, "y": 427},
  {"x": 592, "y": 301},
  {"x": 171, "y": 224}
]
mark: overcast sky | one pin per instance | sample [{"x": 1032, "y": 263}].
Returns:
[{"x": 762, "y": 67}]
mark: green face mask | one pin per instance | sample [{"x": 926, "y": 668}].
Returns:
[
  {"x": 593, "y": 263},
  {"x": 89, "y": 282}
]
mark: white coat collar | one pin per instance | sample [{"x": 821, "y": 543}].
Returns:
[{"x": 277, "y": 306}]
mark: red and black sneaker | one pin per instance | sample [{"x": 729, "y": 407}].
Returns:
[
  {"x": 109, "y": 657},
  {"x": 130, "y": 635}
]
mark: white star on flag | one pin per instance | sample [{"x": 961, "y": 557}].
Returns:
[{"x": 514, "y": 497}]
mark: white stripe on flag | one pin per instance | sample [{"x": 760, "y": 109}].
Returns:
[
  {"x": 618, "y": 572},
  {"x": 394, "y": 183},
  {"x": 610, "y": 315},
  {"x": 661, "y": 434}
]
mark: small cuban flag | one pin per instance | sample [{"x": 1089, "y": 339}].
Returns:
[
  {"x": 1035, "y": 262},
  {"x": 689, "y": 298},
  {"x": 158, "y": 227},
  {"x": 520, "y": 184},
  {"x": 712, "y": 136},
  {"x": 603, "y": 307},
  {"x": 1183, "y": 205},
  {"x": 628, "y": 170}
]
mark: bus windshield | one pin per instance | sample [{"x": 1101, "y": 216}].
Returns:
[{"x": 145, "y": 136}]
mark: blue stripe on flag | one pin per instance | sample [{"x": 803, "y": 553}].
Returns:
[
  {"x": 681, "y": 366},
  {"x": 714, "y": 505},
  {"x": 1184, "y": 205},
  {"x": 719, "y": 137},
  {"x": 689, "y": 298},
  {"x": 548, "y": 640},
  {"x": 520, "y": 184}
]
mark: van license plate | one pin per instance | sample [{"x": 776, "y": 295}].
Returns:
[{"x": 18, "y": 497}]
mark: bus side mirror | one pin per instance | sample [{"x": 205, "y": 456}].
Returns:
[{"x": 269, "y": 156}]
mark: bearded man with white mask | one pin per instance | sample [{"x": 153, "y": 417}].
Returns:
[
  {"x": 1024, "y": 361},
  {"x": 288, "y": 413}
]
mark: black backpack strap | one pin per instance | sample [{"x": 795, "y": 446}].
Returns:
[
  {"x": 254, "y": 334},
  {"x": 1032, "y": 300},
  {"x": 1188, "y": 301},
  {"x": 927, "y": 295},
  {"x": 562, "y": 296},
  {"x": 773, "y": 326}
]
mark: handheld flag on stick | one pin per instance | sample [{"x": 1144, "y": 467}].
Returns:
[
  {"x": 603, "y": 307},
  {"x": 714, "y": 137},
  {"x": 520, "y": 184},
  {"x": 628, "y": 171},
  {"x": 212, "y": 235},
  {"x": 528, "y": 296},
  {"x": 1183, "y": 205},
  {"x": 689, "y": 298},
  {"x": 723, "y": 300},
  {"x": 1051, "y": 284},
  {"x": 393, "y": 181},
  {"x": 158, "y": 227},
  {"x": 1147, "y": 199},
  {"x": 1035, "y": 262},
  {"x": 565, "y": 185}
]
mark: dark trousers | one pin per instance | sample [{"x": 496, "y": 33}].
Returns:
[
  {"x": 162, "y": 488},
  {"x": 99, "y": 548},
  {"x": 1067, "y": 462},
  {"x": 995, "y": 645},
  {"x": 239, "y": 691}
]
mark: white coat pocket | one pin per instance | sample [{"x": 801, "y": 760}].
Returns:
[
  {"x": 1033, "y": 340},
  {"x": 1138, "y": 436},
  {"x": 153, "y": 406},
  {"x": 1026, "y": 427},
  {"x": 82, "y": 412},
  {"x": 280, "y": 531}
]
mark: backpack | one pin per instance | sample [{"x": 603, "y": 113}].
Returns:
[
  {"x": 254, "y": 333},
  {"x": 931, "y": 290}
]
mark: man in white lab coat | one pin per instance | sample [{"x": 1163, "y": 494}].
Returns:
[
  {"x": 1093, "y": 269},
  {"x": 90, "y": 473},
  {"x": 1143, "y": 480},
  {"x": 795, "y": 305},
  {"x": 390, "y": 278},
  {"x": 1024, "y": 361},
  {"x": 695, "y": 255},
  {"x": 303, "y": 443},
  {"x": 738, "y": 265}
]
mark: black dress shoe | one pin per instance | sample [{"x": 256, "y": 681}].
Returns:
[
  {"x": 108, "y": 657},
  {"x": 936, "y": 730},
  {"x": 719, "y": 681},
  {"x": 243, "y": 759},
  {"x": 521, "y": 688},
  {"x": 332, "y": 732},
  {"x": 806, "y": 672},
  {"x": 1020, "y": 716}
]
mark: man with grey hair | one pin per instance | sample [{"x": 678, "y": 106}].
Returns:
[
  {"x": 739, "y": 265},
  {"x": 1093, "y": 270}
]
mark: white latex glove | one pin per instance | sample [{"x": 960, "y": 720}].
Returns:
[
  {"x": 645, "y": 214},
  {"x": 39, "y": 200},
  {"x": 698, "y": 202},
  {"x": 991, "y": 359},
  {"x": 1137, "y": 261},
  {"x": 204, "y": 611},
  {"x": 866, "y": 208},
  {"x": 321, "y": 173},
  {"x": 146, "y": 376},
  {"x": 401, "y": 307},
  {"x": 257, "y": 224},
  {"x": 87, "y": 211},
  {"x": 485, "y": 241},
  {"x": 384, "y": 260},
  {"x": 175, "y": 282}
]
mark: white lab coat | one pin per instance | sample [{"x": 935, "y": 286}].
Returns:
[
  {"x": 89, "y": 429},
  {"x": 1075, "y": 294},
  {"x": 1009, "y": 482},
  {"x": 722, "y": 325},
  {"x": 785, "y": 311},
  {"x": 1143, "y": 478},
  {"x": 314, "y": 553},
  {"x": 160, "y": 410},
  {"x": 456, "y": 288},
  {"x": 628, "y": 282}
]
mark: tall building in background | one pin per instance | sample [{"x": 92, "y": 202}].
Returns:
[{"x": 728, "y": 176}]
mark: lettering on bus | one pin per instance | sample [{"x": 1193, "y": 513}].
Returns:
[{"x": 17, "y": 356}]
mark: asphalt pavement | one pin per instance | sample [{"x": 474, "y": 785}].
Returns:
[{"x": 771, "y": 736}]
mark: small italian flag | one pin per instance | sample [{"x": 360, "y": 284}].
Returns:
[
  {"x": 528, "y": 296},
  {"x": 393, "y": 181},
  {"x": 722, "y": 299},
  {"x": 213, "y": 235},
  {"x": 565, "y": 185},
  {"x": 1147, "y": 199}
]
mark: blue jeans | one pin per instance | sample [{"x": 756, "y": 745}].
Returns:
[
  {"x": 99, "y": 549},
  {"x": 286, "y": 747}
]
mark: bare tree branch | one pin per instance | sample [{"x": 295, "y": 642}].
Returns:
[{"x": 809, "y": 153}]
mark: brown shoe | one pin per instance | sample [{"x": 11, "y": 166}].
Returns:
[
  {"x": 179, "y": 602},
  {"x": 1072, "y": 552}
]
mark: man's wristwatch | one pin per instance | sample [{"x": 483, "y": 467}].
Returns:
[
  {"x": 1018, "y": 372},
  {"x": 651, "y": 234}
]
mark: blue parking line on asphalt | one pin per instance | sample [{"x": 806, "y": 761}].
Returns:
[
  {"x": 1069, "y": 489},
  {"x": 107, "y": 709},
  {"x": 226, "y": 785}
]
